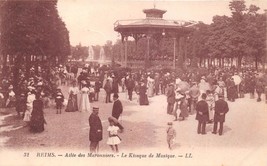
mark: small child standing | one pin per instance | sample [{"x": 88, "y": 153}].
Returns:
[
  {"x": 59, "y": 101},
  {"x": 171, "y": 134},
  {"x": 113, "y": 139}
]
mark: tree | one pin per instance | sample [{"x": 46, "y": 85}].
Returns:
[{"x": 31, "y": 31}]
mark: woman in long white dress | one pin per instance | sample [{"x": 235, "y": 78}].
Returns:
[
  {"x": 150, "y": 86},
  {"x": 84, "y": 105},
  {"x": 30, "y": 99}
]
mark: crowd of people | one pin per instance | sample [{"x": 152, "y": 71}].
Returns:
[{"x": 202, "y": 92}]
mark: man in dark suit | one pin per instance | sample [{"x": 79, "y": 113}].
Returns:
[
  {"x": 202, "y": 115},
  {"x": 170, "y": 99},
  {"x": 221, "y": 108},
  {"x": 117, "y": 110},
  {"x": 130, "y": 87},
  {"x": 96, "y": 132}
]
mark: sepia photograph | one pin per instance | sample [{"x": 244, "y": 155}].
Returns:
[{"x": 133, "y": 82}]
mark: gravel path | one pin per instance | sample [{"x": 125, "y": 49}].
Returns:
[{"x": 244, "y": 137}]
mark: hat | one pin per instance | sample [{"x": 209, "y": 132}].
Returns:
[
  {"x": 83, "y": 82},
  {"x": 39, "y": 83},
  {"x": 31, "y": 87},
  {"x": 116, "y": 95},
  {"x": 220, "y": 95},
  {"x": 171, "y": 84},
  {"x": 10, "y": 87},
  {"x": 95, "y": 108},
  {"x": 112, "y": 119},
  {"x": 169, "y": 123}
]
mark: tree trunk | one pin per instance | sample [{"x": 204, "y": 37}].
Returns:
[
  {"x": 28, "y": 66},
  {"x": 4, "y": 65},
  {"x": 17, "y": 66},
  {"x": 239, "y": 61},
  {"x": 209, "y": 62},
  {"x": 256, "y": 62},
  {"x": 200, "y": 62},
  {"x": 36, "y": 62}
]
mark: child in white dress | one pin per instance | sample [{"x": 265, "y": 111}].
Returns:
[{"x": 113, "y": 139}]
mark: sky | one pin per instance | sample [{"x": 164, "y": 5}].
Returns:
[{"x": 91, "y": 22}]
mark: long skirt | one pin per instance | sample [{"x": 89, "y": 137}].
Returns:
[
  {"x": 72, "y": 105},
  {"x": 27, "y": 115},
  {"x": 37, "y": 124},
  {"x": 84, "y": 105},
  {"x": 143, "y": 100}
]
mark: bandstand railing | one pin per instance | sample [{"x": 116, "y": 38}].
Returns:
[{"x": 154, "y": 21}]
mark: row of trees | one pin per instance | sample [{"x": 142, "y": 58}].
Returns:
[
  {"x": 241, "y": 36},
  {"x": 32, "y": 32}
]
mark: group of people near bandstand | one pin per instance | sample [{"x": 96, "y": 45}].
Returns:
[{"x": 187, "y": 93}]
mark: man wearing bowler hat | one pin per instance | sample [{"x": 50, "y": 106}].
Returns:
[
  {"x": 202, "y": 114},
  {"x": 221, "y": 108},
  {"x": 96, "y": 132}
]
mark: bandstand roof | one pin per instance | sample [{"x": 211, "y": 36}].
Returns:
[{"x": 153, "y": 21}]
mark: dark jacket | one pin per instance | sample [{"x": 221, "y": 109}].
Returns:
[
  {"x": 117, "y": 109},
  {"x": 259, "y": 86},
  {"x": 97, "y": 86},
  {"x": 130, "y": 84},
  {"x": 108, "y": 87},
  {"x": 115, "y": 86},
  {"x": 96, "y": 132},
  {"x": 221, "y": 107},
  {"x": 171, "y": 95},
  {"x": 202, "y": 109}
]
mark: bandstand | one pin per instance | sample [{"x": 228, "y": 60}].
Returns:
[{"x": 153, "y": 27}]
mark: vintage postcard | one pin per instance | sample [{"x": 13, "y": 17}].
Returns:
[{"x": 133, "y": 82}]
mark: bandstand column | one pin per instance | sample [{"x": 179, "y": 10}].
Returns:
[
  {"x": 125, "y": 51},
  {"x": 174, "y": 52},
  {"x": 148, "y": 51}
]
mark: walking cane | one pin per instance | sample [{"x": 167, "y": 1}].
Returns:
[{"x": 97, "y": 147}]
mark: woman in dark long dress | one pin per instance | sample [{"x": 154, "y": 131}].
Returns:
[
  {"x": 72, "y": 105},
  {"x": 143, "y": 100},
  {"x": 37, "y": 117}
]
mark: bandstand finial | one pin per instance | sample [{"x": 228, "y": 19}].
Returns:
[{"x": 154, "y": 4}]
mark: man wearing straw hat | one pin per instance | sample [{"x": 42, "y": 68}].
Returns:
[{"x": 96, "y": 132}]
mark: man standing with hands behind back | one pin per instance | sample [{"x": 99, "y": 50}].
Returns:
[
  {"x": 117, "y": 110},
  {"x": 96, "y": 132},
  {"x": 202, "y": 115},
  {"x": 221, "y": 108}
]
